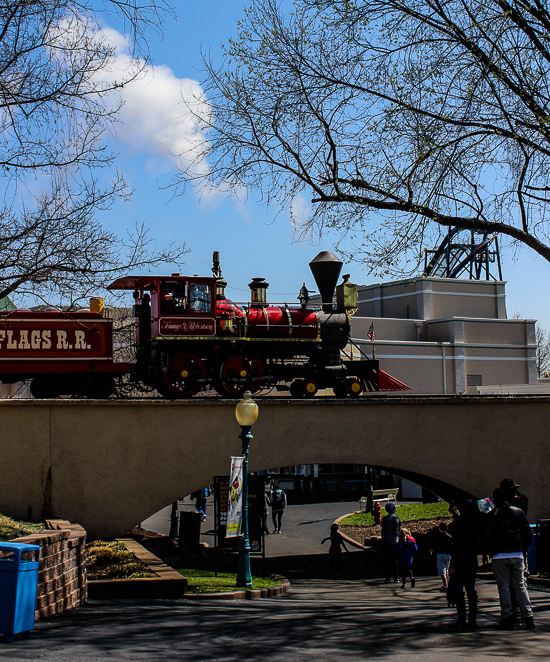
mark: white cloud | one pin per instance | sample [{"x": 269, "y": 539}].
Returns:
[
  {"x": 156, "y": 116},
  {"x": 301, "y": 211}
]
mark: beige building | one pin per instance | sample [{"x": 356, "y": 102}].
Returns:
[{"x": 443, "y": 335}]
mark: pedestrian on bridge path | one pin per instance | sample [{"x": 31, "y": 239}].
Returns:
[{"x": 278, "y": 506}]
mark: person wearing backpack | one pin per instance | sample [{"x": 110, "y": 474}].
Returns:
[
  {"x": 278, "y": 505},
  {"x": 509, "y": 537},
  {"x": 201, "y": 497}
]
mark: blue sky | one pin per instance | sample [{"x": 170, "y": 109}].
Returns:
[{"x": 253, "y": 240}]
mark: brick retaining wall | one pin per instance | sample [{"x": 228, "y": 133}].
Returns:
[{"x": 62, "y": 570}]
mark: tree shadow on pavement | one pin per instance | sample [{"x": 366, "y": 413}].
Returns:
[{"x": 352, "y": 620}]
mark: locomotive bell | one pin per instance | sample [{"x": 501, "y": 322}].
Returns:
[
  {"x": 326, "y": 268},
  {"x": 258, "y": 291}
]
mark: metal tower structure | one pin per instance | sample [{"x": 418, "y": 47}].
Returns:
[{"x": 464, "y": 252}]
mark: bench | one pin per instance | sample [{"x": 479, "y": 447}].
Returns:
[{"x": 382, "y": 496}]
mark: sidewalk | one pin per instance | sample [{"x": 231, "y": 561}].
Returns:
[
  {"x": 347, "y": 620},
  {"x": 317, "y": 620}
]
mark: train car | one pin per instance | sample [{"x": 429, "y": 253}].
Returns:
[
  {"x": 191, "y": 338},
  {"x": 63, "y": 353}
]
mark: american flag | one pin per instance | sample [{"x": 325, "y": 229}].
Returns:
[{"x": 370, "y": 333}]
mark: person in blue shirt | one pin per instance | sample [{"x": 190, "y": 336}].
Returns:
[
  {"x": 201, "y": 497},
  {"x": 335, "y": 551},
  {"x": 406, "y": 547}
]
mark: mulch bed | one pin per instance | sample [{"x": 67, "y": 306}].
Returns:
[{"x": 421, "y": 530}]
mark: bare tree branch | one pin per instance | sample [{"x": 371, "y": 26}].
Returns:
[
  {"x": 56, "y": 107},
  {"x": 399, "y": 117}
]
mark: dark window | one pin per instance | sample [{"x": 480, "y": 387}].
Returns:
[{"x": 199, "y": 297}]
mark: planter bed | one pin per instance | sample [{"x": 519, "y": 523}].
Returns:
[{"x": 167, "y": 584}]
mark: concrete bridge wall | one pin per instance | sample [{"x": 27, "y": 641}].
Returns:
[{"x": 109, "y": 465}]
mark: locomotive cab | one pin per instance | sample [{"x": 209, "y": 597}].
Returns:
[{"x": 168, "y": 307}]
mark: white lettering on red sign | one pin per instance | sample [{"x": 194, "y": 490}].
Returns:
[{"x": 41, "y": 339}]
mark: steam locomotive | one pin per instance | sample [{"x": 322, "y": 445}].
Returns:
[{"x": 190, "y": 338}]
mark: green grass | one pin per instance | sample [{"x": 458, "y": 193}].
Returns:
[
  {"x": 406, "y": 513},
  {"x": 204, "y": 581},
  {"x": 10, "y": 528}
]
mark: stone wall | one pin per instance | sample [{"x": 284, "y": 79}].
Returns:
[{"x": 62, "y": 570}]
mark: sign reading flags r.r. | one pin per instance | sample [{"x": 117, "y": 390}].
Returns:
[{"x": 31, "y": 339}]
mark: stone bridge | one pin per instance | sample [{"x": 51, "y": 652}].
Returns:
[{"x": 109, "y": 465}]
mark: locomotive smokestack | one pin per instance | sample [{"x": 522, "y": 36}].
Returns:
[{"x": 326, "y": 268}]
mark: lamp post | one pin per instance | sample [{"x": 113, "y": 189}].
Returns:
[{"x": 246, "y": 412}]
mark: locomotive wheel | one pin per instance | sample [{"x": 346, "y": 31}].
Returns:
[
  {"x": 310, "y": 388},
  {"x": 296, "y": 389},
  {"x": 184, "y": 377},
  {"x": 355, "y": 388},
  {"x": 241, "y": 373}
]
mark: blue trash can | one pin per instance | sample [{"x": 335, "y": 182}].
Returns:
[{"x": 18, "y": 584}]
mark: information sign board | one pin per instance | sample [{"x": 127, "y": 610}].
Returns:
[{"x": 255, "y": 510}]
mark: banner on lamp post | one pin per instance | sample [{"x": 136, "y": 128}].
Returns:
[{"x": 235, "y": 504}]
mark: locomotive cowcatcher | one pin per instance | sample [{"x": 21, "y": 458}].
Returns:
[{"x": 190, "y": 337}]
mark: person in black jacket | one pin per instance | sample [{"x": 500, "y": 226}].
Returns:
[
  {"x": 466, "y": 534},
  {"x": 509, "y": 537}
]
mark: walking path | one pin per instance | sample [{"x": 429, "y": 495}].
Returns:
[{"x": 319, "y": 619}]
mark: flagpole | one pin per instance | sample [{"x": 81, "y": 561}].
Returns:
[{"x": 370, "y": 335}]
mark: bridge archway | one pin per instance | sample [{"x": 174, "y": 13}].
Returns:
[{"x": 110, "y": 464}]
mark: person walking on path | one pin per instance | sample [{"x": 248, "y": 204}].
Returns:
[
  {"x": 390, "y": 536},
  {"x": 441, "y": 547},
  {"x": 201, "y": 497},
  {"x": 467, "y": 540},
  {"x": 265, "y": 513},
  {"x": 335, "y": 549},
  {"x": 406, "y": 547},
  {"x": 278, "y": 506},
  {"x": 509, "y": 536}
]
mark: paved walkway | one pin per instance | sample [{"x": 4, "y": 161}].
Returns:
[
  {"x": 319, "y": 619},
  {"x": 297, "y": 551}
]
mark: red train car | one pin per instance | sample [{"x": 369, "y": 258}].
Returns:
[{"x": 63, "y": 353}]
